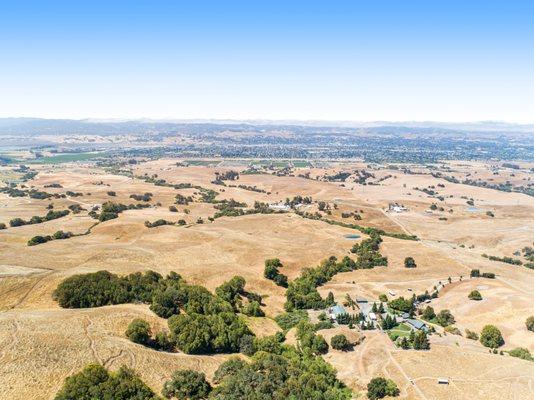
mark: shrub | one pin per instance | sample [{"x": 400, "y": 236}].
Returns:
[
  {"x": 2, "y": 226},
  {"x": 530, "y": 323},
  {"x": 453, "y": 330},
  {"x": 187, "y": 384},
  {"x": 173, "y": 209},
  {"x": 471, "y": 334},
  {"x": 340, "y": 342},
  {"x": 383, "y": 298},
  {"x": 409, "y": 262},
  {"x": 489, "y": 275},
  {"x": 521, "y": 352},
  {"x": 138, "y": 331},
  {"x": 95, "y": 382},
  {"x": 491, "y": 337},
  {"x": 475, "y": 273},
  {"x": 475, "y": 295},
  {"x": 379, "y": 388}
]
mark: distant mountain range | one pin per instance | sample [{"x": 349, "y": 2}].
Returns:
[{"x": 38, "y": 126}]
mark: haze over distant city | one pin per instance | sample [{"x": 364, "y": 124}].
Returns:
[{"x": 349, "y": 61}]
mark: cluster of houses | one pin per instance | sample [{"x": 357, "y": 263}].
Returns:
[{"x": 372, "y": 318}]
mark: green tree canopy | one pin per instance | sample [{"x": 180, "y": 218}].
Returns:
[
  {"x": 186, "y": 385},
  {"x": 491, "y": 337}
]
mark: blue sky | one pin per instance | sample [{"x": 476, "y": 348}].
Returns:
[{"x": 335, "y": 60}]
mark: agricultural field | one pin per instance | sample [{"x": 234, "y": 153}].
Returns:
[{"x": 219, "y": 221}]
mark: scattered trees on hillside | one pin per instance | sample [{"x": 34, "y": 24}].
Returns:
[{"x": 50, "y": 215}]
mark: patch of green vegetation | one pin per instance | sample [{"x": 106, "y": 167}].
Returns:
[
  {"x": 301, "y": 164},
  {"x": 201, "y": 163},
  {"x": 64, "y": 158}
]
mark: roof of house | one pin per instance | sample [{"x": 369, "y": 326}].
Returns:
[
  {"x": 416, "y": 324},
  {"x": 361, "y": 300},
  {"x": 337, "y": 309}
]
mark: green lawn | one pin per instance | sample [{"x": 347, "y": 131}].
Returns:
[
  {"x": 401, "y": 330},
  {"x": 63, "y": 158},
  {"x": 201, "y": 163},
  {"x": 301, "y": 164}
]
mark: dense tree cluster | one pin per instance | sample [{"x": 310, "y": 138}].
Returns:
[
  {"x": 401, "y": 304},
  {"x": 291, "y": 374},
  {"x": 289, "y": 320},
  {"x": 309, "y": 340},
  {"x": 104, "y": 288},
  {"x": 95, "y": 382},
  {"x": 187, "y": 384}
]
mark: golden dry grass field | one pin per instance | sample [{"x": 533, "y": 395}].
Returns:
[{"x": 41, "y": 344}]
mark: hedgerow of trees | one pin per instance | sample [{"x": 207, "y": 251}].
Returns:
[
  {"x": 272, "y": 272},
  {"x": 302, "y": 292}
]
